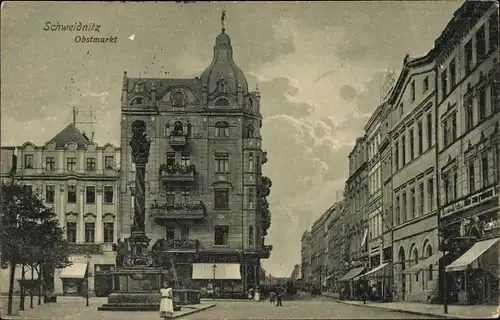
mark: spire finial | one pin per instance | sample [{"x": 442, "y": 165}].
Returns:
[
  {"x": 257, "y": 87},
  {"x": 223, "y": 18}
]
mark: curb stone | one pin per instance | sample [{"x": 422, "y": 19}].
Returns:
[
  {"x": 419, "y": 313},
  {"x": 192, "y": 311}
]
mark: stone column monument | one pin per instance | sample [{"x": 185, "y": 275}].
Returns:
[{"x": 138, "y": 240}]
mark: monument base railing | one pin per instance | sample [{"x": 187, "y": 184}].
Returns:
[{"x": 133, "y": 293}]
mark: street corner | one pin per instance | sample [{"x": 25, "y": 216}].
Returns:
[{"x": 191, "y": 309}]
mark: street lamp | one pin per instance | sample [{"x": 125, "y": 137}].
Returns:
[
  {"x": 88, "y": 257},
  {"x": 214, "y": 269},
  {"x": 365, "y": 264}
]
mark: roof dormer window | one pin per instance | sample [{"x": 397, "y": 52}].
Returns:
[
  {"x": 222, "y": 102},
  {"x": 138, "y": 101}
]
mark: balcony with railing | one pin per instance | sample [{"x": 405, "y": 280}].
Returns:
[
  {"x": 180, "y": 245},
  {"x": 178, "y": 211},
  {"x": 178, "y": 139},
  {"x": 177, "y": 173}
]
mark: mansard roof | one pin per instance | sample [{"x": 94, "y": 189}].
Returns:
[{"x": 68, "y": 135}]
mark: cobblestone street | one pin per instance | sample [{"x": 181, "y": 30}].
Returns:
[{"x": 318, "y": 308}]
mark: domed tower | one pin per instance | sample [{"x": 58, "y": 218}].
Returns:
[{"x": 223, "y": 75}]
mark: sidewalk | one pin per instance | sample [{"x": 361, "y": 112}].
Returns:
[
  {"x": 15, "y": 304},
  {"x": 433, "y": 310}
]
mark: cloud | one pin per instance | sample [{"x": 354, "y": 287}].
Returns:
[
  {"x": 279, "y": 96},
  {"x": 348, "y": 92},
  {"x": 368, "y": 99}
]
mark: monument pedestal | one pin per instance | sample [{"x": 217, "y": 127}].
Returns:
[{"x": 138, "y": 289}]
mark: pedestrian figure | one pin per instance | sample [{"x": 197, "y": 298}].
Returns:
[
  {"x": 250, "y": 294},
  {"x": 166, "y": 301},
  {"x": 279, "y": 298},
  {"x": 256, "y": 296},
  {"x": 272, "y": 297}
]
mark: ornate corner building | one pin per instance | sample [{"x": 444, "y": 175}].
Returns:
[{"x": 205, "y": 193}]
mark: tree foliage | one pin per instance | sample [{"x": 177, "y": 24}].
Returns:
[{"x": 30, "y": 233}]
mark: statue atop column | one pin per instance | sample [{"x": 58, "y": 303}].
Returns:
[{"x": 140, "y": 145}]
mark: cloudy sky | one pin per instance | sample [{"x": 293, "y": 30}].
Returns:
[{"x": 318, "y": 66}]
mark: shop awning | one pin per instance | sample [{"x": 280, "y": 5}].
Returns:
[
  {"x": 77, "y": 270},
  {"x": 471, "y": 255},
  {"x": 351, "y": 274},
  {"x": 223, "y": 271},
  {"x": 424, "y": 264},
  {"x": 372, "y": 272}
]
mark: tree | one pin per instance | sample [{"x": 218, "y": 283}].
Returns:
[{"x": 30, "y": 234}]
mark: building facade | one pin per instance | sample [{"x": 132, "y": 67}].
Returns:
[
  {"x": 373, "y": 139},
  {"x": 319, "y": 246},
  {"x": 468, "y": 122},
  {"x": 79, "y": 179},
  {"x": 205, "y": 191},
  {"x": 305, "y": 254},
  {"x": 414, "y": 177},
  {"x": 356, "y": 197},
  {"x": 335, "y": 243}
]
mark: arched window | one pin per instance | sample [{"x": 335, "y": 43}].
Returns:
[
  {"x": 178, "y": 128},
  {"x": 250, "y": 103},
  {"x": 138, "y": 101},
  {"x": 428, "y": 254},
  {"x": 250, "y": 131},
  {"x": 250, "y": 161},
  {"x": 167, "y": 130},
  {"x": 415, "y": 261},
  {"x": 189, "y": 129},
  {"x": 222, "y": 102},
  {"x": 401, "y": 260},
  {"x": 222, "y": 129}
]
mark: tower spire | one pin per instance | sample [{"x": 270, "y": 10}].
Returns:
[{"x": 223, "y": 18}]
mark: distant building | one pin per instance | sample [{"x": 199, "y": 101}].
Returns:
[
  {"x": 296, "y": 273},
  {"x": 319, "y": 241},
  {"x": 356, "y": 198},
  {"x": 375, "y": 218},
  {"x": 335, "y": 243},
  {"x": 306, "y": 257},
  {"x": 79, "y": 179}
]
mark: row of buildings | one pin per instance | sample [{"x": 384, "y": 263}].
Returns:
[
  {"x": 205, "y": 192},
  {"x": 420, "y": 214}
]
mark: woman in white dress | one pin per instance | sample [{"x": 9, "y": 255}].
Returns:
[
  {"x": 166, "y": 301},
  {"x": 256, "y": 296}
]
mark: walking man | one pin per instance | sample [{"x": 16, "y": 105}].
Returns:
[{"x": 279, "y": 301}]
